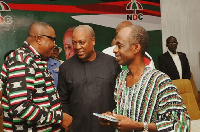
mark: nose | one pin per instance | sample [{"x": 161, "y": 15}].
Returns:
[
  {"x": 115, "y": 50},
  {"x": 54, "y": 45},
  {"x": 77, "y": 46}
]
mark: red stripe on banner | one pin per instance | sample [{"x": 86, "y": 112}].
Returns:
[
  {"x": 54, "y": 8},
  {"x": 102, "y": 8}
]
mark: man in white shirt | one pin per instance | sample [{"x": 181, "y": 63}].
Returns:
[{"x": 174, "y": 64}]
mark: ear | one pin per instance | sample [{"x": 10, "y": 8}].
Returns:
[
  {"x": 38, "y": 40},
  {"x": 137, "y": 48},
  {"x": 93, "y": 41}
]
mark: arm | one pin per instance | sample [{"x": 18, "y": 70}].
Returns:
[
  {"x": 63, "y": 91},
  {"x": 126, "y": 124},
  {"x": 22, "y": 81},
  {"x": 172, "y": 113},
  {"x": 1, "y": 109},
  {"x": 161, "y": 64},
  {"x": 187, "y": 74}
]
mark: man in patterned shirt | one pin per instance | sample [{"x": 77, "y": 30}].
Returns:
[
  {"x": 30, "y": 100},
  {"x": 146, "y": 98}
]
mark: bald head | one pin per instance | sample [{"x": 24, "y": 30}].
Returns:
[
  {"x": 37, "y": 28},
  {"x": 122, "y": 25},
  {"x": 42, "y": 37},
  {"x": 83, "y": 40},
  {"x": 136, "y": 35}
]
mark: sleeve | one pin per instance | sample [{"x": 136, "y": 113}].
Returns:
[
  {"x": 187, "y": 74},
  {"x": 161, "y": 64},
  {"x": 63, "y": 91},
  {"x": 116, "y": 96},
  {"x": 172, "y": 114},
  {"x": 20, "y": 90}
]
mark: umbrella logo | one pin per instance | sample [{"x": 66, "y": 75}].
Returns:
[
  {"x": 4, "y": 6},
  {"x": 7, "y": 19},
  {"x": 134, "y": 5}
]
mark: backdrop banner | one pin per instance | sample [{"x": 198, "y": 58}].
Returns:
[{"x": 102, "y": 15}]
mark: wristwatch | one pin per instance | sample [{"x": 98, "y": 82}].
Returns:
[{"x": 145, "y": 127}]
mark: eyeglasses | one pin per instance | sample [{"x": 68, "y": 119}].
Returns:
[
  {"x": 50, "y": 37},
  {"x": 173, "y": 43}
]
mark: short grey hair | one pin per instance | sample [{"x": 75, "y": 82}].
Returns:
[
  {"x": 87, "y": 28},
  {"x": 139, "y": 35}
]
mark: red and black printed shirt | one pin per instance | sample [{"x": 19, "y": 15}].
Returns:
[{"x": 30, "y": 100}]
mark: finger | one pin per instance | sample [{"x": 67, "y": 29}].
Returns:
[
  {"x": 109, "y": 113},
  {"x": 119, "y": 117},
  {"x": 105, "y": 124}
]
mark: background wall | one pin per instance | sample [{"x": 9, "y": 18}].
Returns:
[
  {"x": 181, "y": 18},
  {"x": 101, "y": 15}
]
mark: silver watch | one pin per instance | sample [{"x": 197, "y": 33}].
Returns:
[{"x": 145, "y": 127}]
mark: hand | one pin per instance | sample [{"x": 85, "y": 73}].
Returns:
[
  {"x": 67, "y": 121},
  {"x": 105, "y": 122},
  {"x": 125, "y": 124}
]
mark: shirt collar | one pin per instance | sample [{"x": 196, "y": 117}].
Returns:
[
  {"x": 31, "y": 50},
  {"x": 172, "y": 53}
]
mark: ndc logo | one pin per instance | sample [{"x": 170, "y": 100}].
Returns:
[
  {"x": 6, "y": 19},
  {"x": 134, "y": 5}
]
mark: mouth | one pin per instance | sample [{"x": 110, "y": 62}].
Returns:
[
  {"x": 118, "y": 58},
  {"x": 80, "y": 53}
]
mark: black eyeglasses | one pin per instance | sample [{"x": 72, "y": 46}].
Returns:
[{"x": 50, "y": 37}]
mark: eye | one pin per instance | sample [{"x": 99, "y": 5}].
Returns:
[
  {"x": 119, "y": 46},
  {"x": 73, "y": 42},
  {"x": 81, "y": 42},
  {"x": 69, "y": 47}
]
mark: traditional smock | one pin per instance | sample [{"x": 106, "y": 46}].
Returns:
[{"x": 153, "y": 98}]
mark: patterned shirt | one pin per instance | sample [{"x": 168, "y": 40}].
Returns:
[
  {"x": 30, "y": 100},
  {"x": 153, "y": 98}
]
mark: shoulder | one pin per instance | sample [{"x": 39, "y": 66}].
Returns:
[
  {"x": 69, "y": 62},
  {"x": 19, "y": 56},
  {"x": 164, "y": 55},
  {"x": 181, "y": 54},
  {"x": 157, "y": 75},
  {"x": 105, "y": 56},
  {"x": 54, "y": 62},
  {"x": 107, "y": 60}
]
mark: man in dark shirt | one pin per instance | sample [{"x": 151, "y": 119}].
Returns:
[
  {"x": 30, "y": 100},
  {"x": 86, "y": 82}
]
